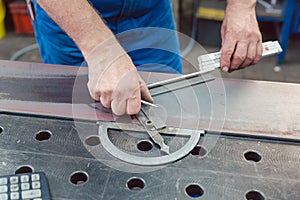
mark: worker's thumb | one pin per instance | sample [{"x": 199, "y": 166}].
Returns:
[{"x": 145, "y": 93}]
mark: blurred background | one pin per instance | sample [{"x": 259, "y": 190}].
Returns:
[{"x": 199, "y": 19}]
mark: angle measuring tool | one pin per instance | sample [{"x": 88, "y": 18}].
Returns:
[
  {"x": 155, "y": 127},
  {"x": 142, "y": 160}
]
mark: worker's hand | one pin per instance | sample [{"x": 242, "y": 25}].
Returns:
[
  {"x": 114, "y": 80},
  {"x": 241, "y": 37}
]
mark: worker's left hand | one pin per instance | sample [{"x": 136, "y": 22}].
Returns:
[{"x": 241, "y": 37}]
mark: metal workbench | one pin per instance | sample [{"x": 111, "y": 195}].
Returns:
[{"x": 250, "y": 151}]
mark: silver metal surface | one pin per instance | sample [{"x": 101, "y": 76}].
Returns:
[
  {"x": 277, "y": 113},
  {"x": 177, "y": 79},
  {"x": 177, "y": 85},
  {"x": 151, "y": 114}
]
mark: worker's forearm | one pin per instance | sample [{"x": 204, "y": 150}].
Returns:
[
  {"x": 79, "y": 20},
  {"x": 243, "y": 3}
]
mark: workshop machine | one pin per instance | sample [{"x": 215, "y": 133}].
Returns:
[{"x": 209, "y": 138}]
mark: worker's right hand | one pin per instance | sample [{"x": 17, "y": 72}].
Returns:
[{"x": 114, "y": 80}]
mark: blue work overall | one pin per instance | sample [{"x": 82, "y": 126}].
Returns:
[{"x": 145, "y": 29}]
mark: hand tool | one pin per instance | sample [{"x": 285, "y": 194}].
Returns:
[{"x": 152, "y": 131}]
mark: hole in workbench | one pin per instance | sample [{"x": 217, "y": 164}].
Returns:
[
  {"x": 135, "y": 184},
  {"x": 194, "y": 190},
  {"x": 1, "y": 129},
  {"x": 79, "y": 177},
  {"x": 92, "y": 140},
  {"x": 252, "y": 156},
  {"x": 254, "y": 195},
  {"x": 148, "y": 122},
  {"x": 24, "y": 169},
  {"x": 43, "y": 135},
  {"x": 199, "y": 151},
  {"x": 144, "y": 145}
]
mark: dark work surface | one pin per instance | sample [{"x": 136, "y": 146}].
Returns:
[{"x": 223, "y": 173}]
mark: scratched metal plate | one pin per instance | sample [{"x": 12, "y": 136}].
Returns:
[
  {"x": 223, "y": 173},
  {"x": 254, "y": 108}
]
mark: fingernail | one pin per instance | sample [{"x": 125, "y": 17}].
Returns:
[{"x": 225, "y": 69}]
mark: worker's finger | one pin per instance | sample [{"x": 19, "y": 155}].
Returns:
[
  {"x": 134, "y": 103},
  {"x": 258, "y": 52},
  {"x": 105, "y": 101},
  {"x": 239, "y": 55},
  {"x": 127, "y": 87},
  {"x": 118, "y": 103},
  {"x": 227, "y": 51},
  {"x": 94, "y": 94},
  {"x": 118, "y": 106},
  {"x": 145, "y": 93},
  {"x": 251, "y": 53}
]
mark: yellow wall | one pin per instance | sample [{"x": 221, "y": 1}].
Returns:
[{"x": 2, "y": 16}]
